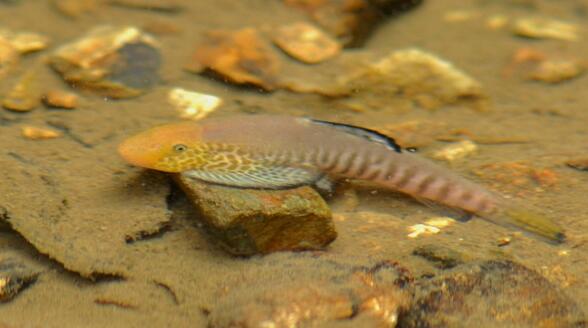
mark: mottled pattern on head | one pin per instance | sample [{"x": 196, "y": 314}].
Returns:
[
  {"x": 207, "y": 156},
  {"x": 164, "y": 147}
]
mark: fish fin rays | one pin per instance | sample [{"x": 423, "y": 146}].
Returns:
[{"x": 261, "y": 177}]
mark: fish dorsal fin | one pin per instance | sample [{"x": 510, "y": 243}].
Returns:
[
  {"x": 260, "y": 177},
  {"x": 364, "y": 133}
]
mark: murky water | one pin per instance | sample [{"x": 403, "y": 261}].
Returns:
[{"x": 88, "y": 240}]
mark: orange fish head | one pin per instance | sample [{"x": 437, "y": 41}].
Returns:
[{"x": 165, "y": 148}]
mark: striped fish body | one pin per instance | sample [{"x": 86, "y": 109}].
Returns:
[
  {"x": 278, "y": 151},
  {"x": 301, "y": 142}
]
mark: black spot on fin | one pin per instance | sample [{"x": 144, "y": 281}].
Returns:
[{"x": 364, "y": 133}]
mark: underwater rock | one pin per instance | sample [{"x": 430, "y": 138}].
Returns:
[
  {"x": 491, "y": 293},
  {"x": 248, "y": 221},
  {"x": 77, "y": 8},
  {"x": 322, "y": 294},
  {"x": 306, "y": 43},
  {"x": 556, "y": 71},
  {"x": 115, "y": 62},
  {"x": 352, "y": 21},
  {"x": 415, "y": 75},
  {"x": 9, "y": 57},
  {"x": 578, "y": 163},
  {"x": 169, "y": 6},
  {"x": 440, "y": 256},
  {"x": 14, "y": 278},
  {"x": 35, "y": 133},
  {"x": 24, "y": 95},
  {"x": 456, "y": 150},
  {"x": 546, "y": 28},
  {"x": 193, "y": 105},
  {"x": 25, "y": 42},
  {"x": 240, "y": 57},
  {"x": 60, "y": 99}
]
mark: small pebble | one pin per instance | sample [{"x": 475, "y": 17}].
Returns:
[
  {"x": 504, "y": 241},
  {"x": 35, "y": 133},
  {"x": 306, "y": 43},
  {"x": 14, "y": 277},
  {"x": 61, "y": 99},
  {"x": 193, "y": 105},
  {"x": 552, "y": 71},
  {"x": 25, "y": 42},
  {"x": 457, "y": 16},
  {"x": 546, "y": 28},
  {"x": 422, "y": 229},
  {"x": 23, "y": 97},
  {"x": 456, "y": 151},
  {"x": 578, "y": 163},
  {"x": 440, "y": 221},
  {"x": 496, "y": 22}
]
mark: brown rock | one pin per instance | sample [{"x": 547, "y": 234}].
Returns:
[
  {"x": 414, "y": 75},
  {"x": 159, "y": 5},
  {"x": 35, "y": 133},
  {"x": 578, "y": 163},
  {"x": 24, "y": 95},
  {"x": 306, "y": 43},
  {"x": 352, "y": 21},
  {"x": 61, "y": 99},
  {"x": 248, "y": 221},
  {"x": 491, "y": 293},
  {"x": 241, "y": 57},
  {"x": 15, "y": 276},
  {"x": 555, "y": 71},
  {"x": 441, "y": 256},
  {"x": 115, "y": 62},
  {"x": 25, "y": 42},
  {"x": 323, "y": 293},
  {"x": 76, "y": 8},
  {"x": 9, "y": 57}
]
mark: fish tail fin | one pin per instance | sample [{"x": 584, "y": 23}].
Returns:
[{"x": 529, "y": 220}]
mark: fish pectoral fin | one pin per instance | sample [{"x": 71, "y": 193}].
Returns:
[{"x": 261, "y": 177}]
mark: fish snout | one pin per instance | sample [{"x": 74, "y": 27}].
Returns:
[{"x": 138, "y": 153}]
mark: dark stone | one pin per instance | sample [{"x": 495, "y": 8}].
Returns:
[
  {"x": 441, "y": 256},
  {"x": 14, "y": 278},
  {"x": 491, "y": 294}
]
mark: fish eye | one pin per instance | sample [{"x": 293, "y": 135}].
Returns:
[{"x": 180, "y": 148}]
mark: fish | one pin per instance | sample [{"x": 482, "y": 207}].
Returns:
[{"x": 278, "y": 151}]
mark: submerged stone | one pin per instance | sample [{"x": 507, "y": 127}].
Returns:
[
  {"x": 248, "y": 221},
  {"x": 24, "y": 96},
  {"x": 352, "y": 21},
  {"x": 240, "y": 57},
  {"x": 14, "y": 277},
  {"x": 414, "y": 75},
  {"x": 116, "y": 62},
  {"x": 306, "y": 43},
  {"x": 318, "y": 294},
  {"x": 441, "y": 256},
  {"x": 491, "y": 293}
]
